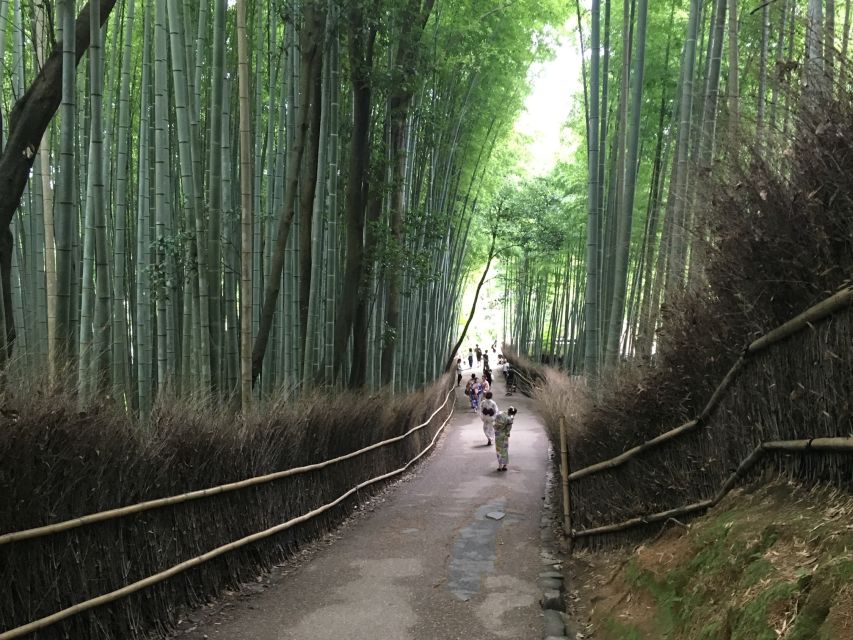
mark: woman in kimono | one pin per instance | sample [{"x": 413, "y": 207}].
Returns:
[
  {"x": 503, "y": 425},
  {"x": 488, "y": 411},
  {"x": 476, "y": 392}
]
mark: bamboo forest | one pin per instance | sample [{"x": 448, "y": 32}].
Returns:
[{"x": 259, "y": 258}]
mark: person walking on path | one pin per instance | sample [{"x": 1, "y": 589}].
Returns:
[
  {"x": 458, "y": 371},
  {"x": 470, "y": 358},
  {"x": 503, "y": 425},
  {"x": 472, "y": 390},
  {"x": 484, "y": 387},
  {"x": 509, "y": 374},
  {"x": 476, "y": 393},
  {"x": 488, "y": 411},
  {"x": 470, "y": 384},
  {"x": 479, "y": 352}
]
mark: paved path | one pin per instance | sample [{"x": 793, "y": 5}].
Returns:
[{"x": 427, "y": 563}]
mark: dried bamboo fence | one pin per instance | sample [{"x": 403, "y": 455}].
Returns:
[
  {"x": 182, "y": 549},
  {"x": 791, "y": 407}
]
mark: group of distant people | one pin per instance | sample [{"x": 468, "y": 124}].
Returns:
[{"x": 496, "y": 424}]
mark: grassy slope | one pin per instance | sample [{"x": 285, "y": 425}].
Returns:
[{"x": 769, "y": 564}]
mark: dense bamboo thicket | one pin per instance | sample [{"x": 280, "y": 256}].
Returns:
[
  {"x": 778, "y": 238},
  {"x": 799, "y": 389},
  {"x": 237, "y": 199},
  {"x": 62, "y": 464},
  {"x": 675, "y": 94}
]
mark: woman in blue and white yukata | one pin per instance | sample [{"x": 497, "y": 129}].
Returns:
[
  {"x": 503, "y": 425},
  {"x": 476, "y": 390}
]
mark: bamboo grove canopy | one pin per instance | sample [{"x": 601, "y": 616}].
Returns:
[
  {"x": 239, "y": 198},
  {"x": 688, "y": 106}
]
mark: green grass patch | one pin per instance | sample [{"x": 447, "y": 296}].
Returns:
[
  {"x": 747, "y": 572},
  {"x": 751, "y": 622}
]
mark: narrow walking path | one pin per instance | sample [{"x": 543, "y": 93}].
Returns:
[{"x": 427, "y": 563}]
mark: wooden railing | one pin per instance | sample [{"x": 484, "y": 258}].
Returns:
[
  {"x": 816, "y": 314},
  {"x": 111, "y": 514}
]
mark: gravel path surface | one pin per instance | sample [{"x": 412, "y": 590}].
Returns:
[{"x": 431, "y": 561}]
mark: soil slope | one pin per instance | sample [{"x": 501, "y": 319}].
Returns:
[{"x": 769, "y": 563}]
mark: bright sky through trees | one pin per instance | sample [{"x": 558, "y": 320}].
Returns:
[{"x": 554, "y": 85}]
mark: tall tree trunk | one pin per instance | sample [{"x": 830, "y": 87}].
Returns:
[
  {"x": 625, "y": 222},
  {"x": 246, "y": 208},
  {"x": 780, "y": 61},
  {"x": 617, "y": 312},
  {"x": 361, "y": 40},
  {"x": 310, "y": 40},
  {"x": 813, "y": 73},
  {"x": 215, "y": 188},
  {"x": 612, "y": 210},
  {"x": 413, "y": 21},
  {"x": 732, "y": 86},
  {"x": 592, "y": 287},
  {"x": 678, "y": 254},
  {"x": 42, "y": 21},
  {"x": 312, "y": 104},
  {"x": 762, "y": 72},
  {"x": 143, "y": 329},
  {"x": 103, "y": 301},
  {"x": 191, "y": 188},
  {"x": 121, "y": 372},
  {"x": 829, "y": 41},
  {"x": 28, "y": 122}
]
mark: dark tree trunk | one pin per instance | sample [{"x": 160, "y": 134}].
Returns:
[
  {"x": 414, "y": 20},
  {"x": 306, "y": 206},
  {"x": 310, "y": 41},
  {"x": 28, "y": 121},
  {"x": 361, "y": 43}
]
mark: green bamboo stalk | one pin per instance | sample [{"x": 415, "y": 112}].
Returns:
[
  {"x": 246, "y": 207},
  {"x": 121, "y": 371},
  {"x": 143, "y": 329}
]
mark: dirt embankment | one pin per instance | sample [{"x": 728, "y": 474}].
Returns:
[{"x": 770, "y": 563}]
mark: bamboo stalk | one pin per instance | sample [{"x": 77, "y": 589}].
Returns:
[
  {"x": 110, "y": 514},
  {"x": 818, "y": 444},
  {"x": 112, "y": 596},
  {"x": 635, "y": 451},
  {"x": 721, "y": 389},
  {"x": 841, "y": 444},
  {"x": 818, "y": 312},
  {"x": 633, "y": 522},
  {"x": 564, "y": 472}
]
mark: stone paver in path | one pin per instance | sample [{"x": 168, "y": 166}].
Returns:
[{"x": 430, "y": 562}]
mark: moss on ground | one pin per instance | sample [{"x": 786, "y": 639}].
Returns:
[{"x": 766, "y": 565}]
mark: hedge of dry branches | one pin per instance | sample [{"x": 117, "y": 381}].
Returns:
[
  {"x": 57, "y": 463},
  {"x": 775, "y": 236}
]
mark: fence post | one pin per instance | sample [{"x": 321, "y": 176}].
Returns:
[{"x": 564, "y": 472}]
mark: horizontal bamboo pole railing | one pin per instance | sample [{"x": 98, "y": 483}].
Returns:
[
  {"x": 841, "y": 445},
  {"x": 622, "y": 458},
  {"x": 821, "y": 310},
  {"x": 119, "y": 512},
  {"x": 818, "y": 312},
  {"x": 112, "y": 596}
]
